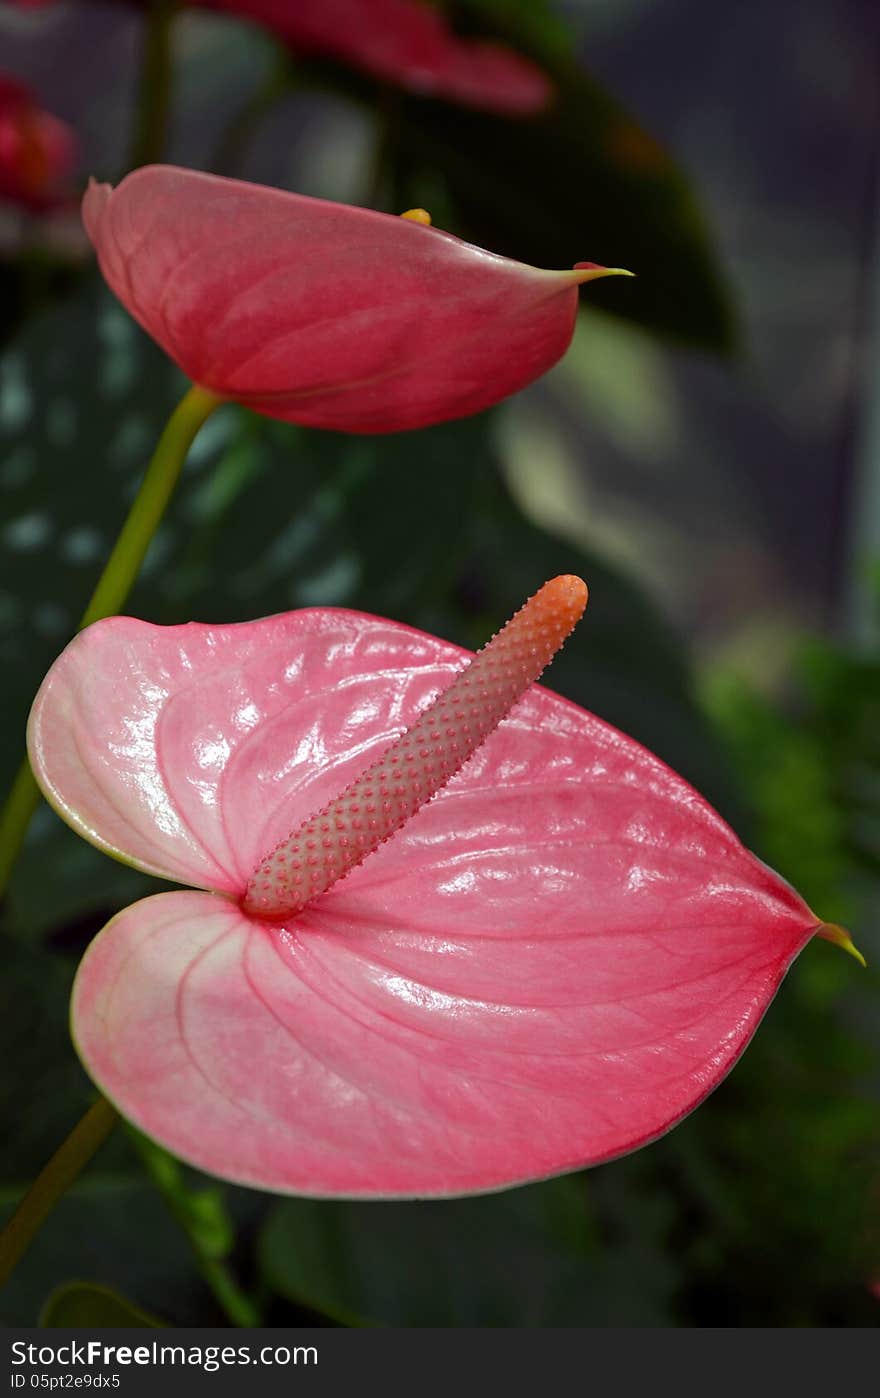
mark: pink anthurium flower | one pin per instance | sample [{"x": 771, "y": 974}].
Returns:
[
  {"x": 557, "y": 952},
  {"x": 407, "y": 43},
  {"x": 37, "y": 152},
  {"x": 403, "y": 42},
  {"x": 321, "y": 313}
]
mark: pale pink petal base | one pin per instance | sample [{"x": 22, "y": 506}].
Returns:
[{"x": 379, "y": 1059}]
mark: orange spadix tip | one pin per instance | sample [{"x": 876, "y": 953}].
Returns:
[
  {"x": 418, "y": 216},
  {"x": 567, "y": 593}
]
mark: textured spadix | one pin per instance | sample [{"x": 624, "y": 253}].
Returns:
[
  {"x": 325, "y": 314},
  {"x": 551, "y": 963},
  {"x": 380, "y": 801}
]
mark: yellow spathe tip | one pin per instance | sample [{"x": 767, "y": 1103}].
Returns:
[
  {"x": 841, "y": 938},
  {"x": 418, "y": 216},
  {"x": 591, "y": 271}
]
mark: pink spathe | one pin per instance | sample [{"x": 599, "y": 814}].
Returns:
[
  {"x": 551, "y": 963},
  {"x": 407, "y": 43},
  {"x": 325, "y": 314}
]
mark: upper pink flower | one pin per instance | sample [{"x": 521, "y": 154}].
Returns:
[
  {"x": 325, "y": 314},
  {"x": 37, "y": 151},
  {"x": 405, "y": 42},
  {"x": 549, "y": 964}
]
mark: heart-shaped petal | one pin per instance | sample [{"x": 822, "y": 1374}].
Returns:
[
  {"x": 190, "y": 751},
  {"x": 321, "y": 313},
  {"x": 550, "y": 964},
  {"x": 373, "y": 1049}
]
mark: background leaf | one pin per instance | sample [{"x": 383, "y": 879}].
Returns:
[
  {"x": 526, "y": 1257},
  {"x": 112, "y": 1227},
  {"x": 582, "y": 181},
  {"x": 87, "y": 1306}
]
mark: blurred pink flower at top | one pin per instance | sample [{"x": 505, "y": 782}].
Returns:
[
  {"x": 405, "y": 42},
  {"x": 37, "y": 151},
  {"x": 325, "y": 314}
]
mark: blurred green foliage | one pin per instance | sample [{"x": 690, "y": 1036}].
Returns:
[
  {"x": 815, "y": 781},
  {"x": 530, "y": 1257}
]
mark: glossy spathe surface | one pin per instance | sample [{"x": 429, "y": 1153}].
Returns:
[
  {"x": 427, "y": 755},
  {"x": 550, "y": 964},
  {"x": 321, "y": 313}
]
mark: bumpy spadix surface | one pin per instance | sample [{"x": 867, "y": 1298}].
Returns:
[
  {"x": 444, "y": 736},
  {"x": 551, "y": 963},
  {"x": 320, "y": 313}
]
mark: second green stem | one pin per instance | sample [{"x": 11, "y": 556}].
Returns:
[{"x": 53, "y": 1182}]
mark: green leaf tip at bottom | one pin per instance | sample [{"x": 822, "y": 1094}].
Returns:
[{"x": 87, "y": 1304}]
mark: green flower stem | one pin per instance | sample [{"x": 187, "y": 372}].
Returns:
[
  {"x": 115, "y": 583},
  {"x": 199, "y": 1213},
  {"x": 202, "y": 1216},
  {"x": 154, "y": 88},
  {"x": 15, "y": 818},
  {"x": 156, "y": 490},
  {"x": 53, "y": 1181}
]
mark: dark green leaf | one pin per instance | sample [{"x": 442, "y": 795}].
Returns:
[
  {"x": 83, "y": 398},
  {"x": 623, "y": 662},
  {"x": 43, "y": 1097},
  {"x": 116, "y": 1229},
  {"x": 582, "y": 182},
  {"x": 527, "y": 1257}
]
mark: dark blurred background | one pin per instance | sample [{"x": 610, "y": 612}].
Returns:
[{"x": 707, "y": 455}]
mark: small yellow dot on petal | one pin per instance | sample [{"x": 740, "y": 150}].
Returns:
[{"x": 418, "y": 216}]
